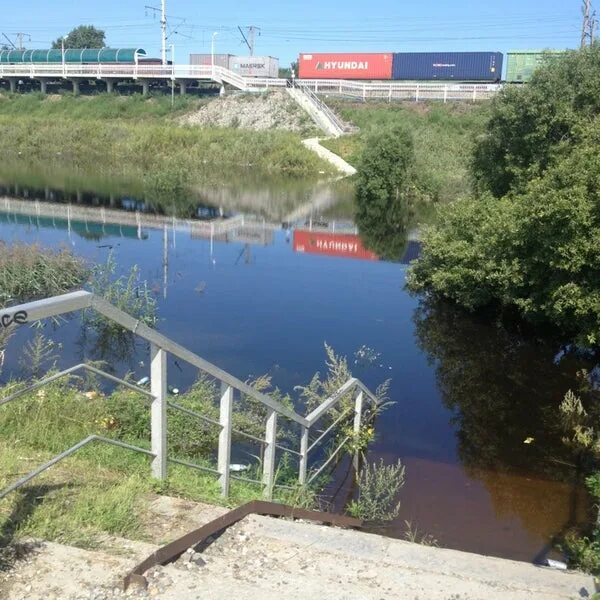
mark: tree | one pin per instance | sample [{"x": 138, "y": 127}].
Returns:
[
  {"x": 84, "y": 36},
  {"x": 534, "y": 252},
  {"x": 385, "y": 196},
  {"x": 530, "y": 124}
]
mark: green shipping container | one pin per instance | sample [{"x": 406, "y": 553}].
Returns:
[{"x": 522, "y": 63}]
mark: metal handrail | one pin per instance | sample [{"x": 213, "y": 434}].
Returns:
[
  {"x": 320, "y": 105},
  {"x": 160, "y": 345}
]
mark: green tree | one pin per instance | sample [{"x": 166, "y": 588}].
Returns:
[
  {"x": 536, "y": 250},
  {"x": 385, "y": 195},
  {"x": 530, "y": 124},
  {"x": 84, "y": 36}
]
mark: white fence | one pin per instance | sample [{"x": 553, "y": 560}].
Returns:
[{"x": 392, "y": 90}]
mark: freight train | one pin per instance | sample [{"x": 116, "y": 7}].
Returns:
[
  {"x": 400, "y": 66},
  {"x": 422, "y": 66}
]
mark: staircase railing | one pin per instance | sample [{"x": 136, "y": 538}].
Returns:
[
  {"x": 160, "y": 347},
  {"x": 319, "y": 105}
]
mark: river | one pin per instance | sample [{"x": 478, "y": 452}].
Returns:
[{"x": 475, "y": 402}]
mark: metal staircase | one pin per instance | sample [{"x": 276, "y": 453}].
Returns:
[
  {"x": 320, "y": 113},
  {"x": 359, "y": 402}
]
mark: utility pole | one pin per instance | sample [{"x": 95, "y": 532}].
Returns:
[
  {"x": 20, "y": 37},
  {"x": 163, "y": 30},
  {"x": 587, "y": 26},
  {"x": 163, "y": 27},
  {"x": 250, "y": 39}
]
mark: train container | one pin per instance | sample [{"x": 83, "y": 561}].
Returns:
[
  {"x": 447, "y": 66},
  {"x": 221, "y": 60},
  {"x": 369, "y": 66},
  {"x": 254, "y": 66},
  {"x": 520, "y": 64}
]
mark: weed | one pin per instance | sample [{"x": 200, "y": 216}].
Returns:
[
  {"x": 413, "y": 535},
  {"x": 378, "y": 488},
  {"x": 28, "y": 271}
]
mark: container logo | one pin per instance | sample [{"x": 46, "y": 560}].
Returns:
[
  {"x": 444, "y": 65},
  {"x": 349, "y": 65},
  {"x": 331, "y": 244}
]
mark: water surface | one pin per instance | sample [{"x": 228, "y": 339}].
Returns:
[{"x": 467, "y": 393}]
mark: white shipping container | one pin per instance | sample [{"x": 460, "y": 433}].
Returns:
[
  {"x": 221, "y": 60},
  {"x": 254, "y": 66}
]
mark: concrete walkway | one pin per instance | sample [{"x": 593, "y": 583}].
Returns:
[
  {"x": 337, "y": 161},
  {"x": 268, "y": 559}
]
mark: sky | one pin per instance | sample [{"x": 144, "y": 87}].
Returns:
[{"x": 288, "y": 27}]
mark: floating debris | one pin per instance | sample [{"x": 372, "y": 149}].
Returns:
[
  {"x": 143, "y": 381},
  {"x": 529, "y": 440},
  {"x": 200, "y": 287}
]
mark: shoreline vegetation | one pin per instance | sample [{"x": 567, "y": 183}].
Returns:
[{"x": 117, "y": 136}]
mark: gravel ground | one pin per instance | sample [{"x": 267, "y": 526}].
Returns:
[{"x": 272, "y": 110}]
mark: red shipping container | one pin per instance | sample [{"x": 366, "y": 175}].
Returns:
[
  {"x": 345, "y": 245},
  {"x": 345, "y": 66}
]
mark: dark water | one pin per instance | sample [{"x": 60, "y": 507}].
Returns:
[{"x": 467, "y": 393}]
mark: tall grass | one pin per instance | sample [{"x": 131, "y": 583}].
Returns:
[
  {"x": 102, "y": 106},
  {"x": 115, "y": 136},
  {"x": 30, "y": 271},
  {"x": 443, "y": 139}
]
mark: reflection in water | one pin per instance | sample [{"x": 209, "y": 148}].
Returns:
[
  {"x": 275, "y": 199},
  {"x": 505, "y": 389}
]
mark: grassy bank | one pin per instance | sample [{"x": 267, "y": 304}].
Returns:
[
  {"x": 102, "y": 489},
  {"x": 116, "y": 136},
  {"x": 443, "y": 134}
]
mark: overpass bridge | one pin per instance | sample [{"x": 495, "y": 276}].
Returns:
[{"x": 182, "y": 76}]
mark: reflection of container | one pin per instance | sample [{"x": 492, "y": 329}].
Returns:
[
  {"x": 348, "y": 65},
  {"x": 448, "y": 66},
  {"x": 254, "y": 66},
  {"x": 345, "y": 245},
  {"x": 221, "y": 60},
  {"x": 520, "y": 64}
]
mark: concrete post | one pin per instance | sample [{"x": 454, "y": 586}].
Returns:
[
  {"x": 358, "y": 408},
  {"x": 43, "y": 86},
  {"x": 303, "y": 455},
  {"x": 75, "y": 83},
  {"x": 158, "y": 410},
  {"x": 224, "y": 457},
  {"x": 269, "y": 457},
  {"x": 145, "y": 87},
  {"x": 110, "y": 86},
  {"x": 13, "y": 85},
  {"x": 182, "y": 87}
]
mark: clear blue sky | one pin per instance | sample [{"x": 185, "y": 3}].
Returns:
[{"x": 292, "y": 26}]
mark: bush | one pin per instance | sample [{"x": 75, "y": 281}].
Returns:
[
  {"x": 531, "y": 124},
  {"x": 385, "y": 192},
  {"x": 536, "y": 250}
]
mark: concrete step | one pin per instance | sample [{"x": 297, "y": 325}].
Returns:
[{"x": 268, "y": 559}]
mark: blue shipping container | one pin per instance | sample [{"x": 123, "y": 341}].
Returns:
[{"x": 448, "y": 66}]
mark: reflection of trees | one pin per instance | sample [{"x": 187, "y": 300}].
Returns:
[
  {"x": 504, "y": 388},
  {"x": 385, "y": 231}
]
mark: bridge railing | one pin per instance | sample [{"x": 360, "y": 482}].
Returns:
[{"x": 160, "y": 348}]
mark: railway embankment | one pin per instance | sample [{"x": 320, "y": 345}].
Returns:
[{"x": 170, "y": 147}]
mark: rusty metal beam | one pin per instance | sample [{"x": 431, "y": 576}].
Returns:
[{"x": 175, "y": 549}]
